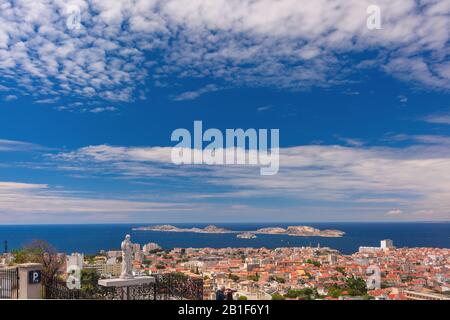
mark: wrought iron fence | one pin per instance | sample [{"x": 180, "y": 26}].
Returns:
[
  {"x": 54, "y": 287},
  {"x": 166, "y": 287},
  {"x": 9, "y": 283},
  {"x": 178, "y": 286}
]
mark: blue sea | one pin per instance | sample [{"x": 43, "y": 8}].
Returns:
[{"x": 93, "y": 238}]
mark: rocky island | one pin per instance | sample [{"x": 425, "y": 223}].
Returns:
[
  {"x": 170, "y": 228},
  {"x": 302, "y": 231},
  {"x": 298, "y": 231}
]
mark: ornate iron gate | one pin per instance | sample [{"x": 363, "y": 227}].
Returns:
[{"x": 9, "y": 283}]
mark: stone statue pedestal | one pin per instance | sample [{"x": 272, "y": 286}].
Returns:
[
  {"x": 126, "y": 288},
  {"x": 118, "y": 282}
]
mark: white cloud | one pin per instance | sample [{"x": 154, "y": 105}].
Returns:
[
  {"x": 264, "y": 108},
  {"x": 395, "y": 212},
  {"x": 191, "y": 95},
  {"x": 103, "y": 109},
  {"x": 5, "y": 186},
  {"x": 403, "y": 99},
  {"x": 350, "y": 141},
  {"x": 284, "y": 43},
  {"x": 31, "y": 201},
  {"x": 17, "y": 146},
  {"x": 438, "y": 119},
  {"x": 413, "y": 177},
  {"x": 47, "y": 101},
  {"x": 10, "y": 97},
  {"x": 430, "y": 139}
]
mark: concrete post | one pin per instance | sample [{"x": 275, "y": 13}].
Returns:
[{"x": 30, "y": 281}]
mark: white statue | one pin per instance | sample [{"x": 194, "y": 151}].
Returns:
[{"x": 127, "y": 258}]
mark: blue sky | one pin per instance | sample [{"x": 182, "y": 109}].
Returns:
[{"x": 86, "y": 113}]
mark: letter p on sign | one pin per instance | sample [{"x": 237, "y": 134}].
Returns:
[{"x": 34, "y": 276}]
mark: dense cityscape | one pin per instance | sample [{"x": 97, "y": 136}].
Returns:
[{"x": 303, "y": 273}]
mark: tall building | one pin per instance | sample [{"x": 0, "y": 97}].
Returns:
[
  {"x": 149, "y": 247},
  {"x": 139, "y": 256},
  {"x": 136, "y": 247},
  {"x": 387, "y": 244}
]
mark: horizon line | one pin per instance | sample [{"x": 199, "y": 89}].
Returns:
[{"x": 220, "y": 222}]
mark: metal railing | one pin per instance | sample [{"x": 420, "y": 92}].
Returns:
[
  {"x": 166, "y": 287},
  {"x": 9, "y": 283}
]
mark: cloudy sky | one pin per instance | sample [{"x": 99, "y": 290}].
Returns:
[{"x": 90, "y": 92}]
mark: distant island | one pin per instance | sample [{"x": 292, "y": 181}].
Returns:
[
  {"x": 170, "y": 228},
  {"x": 302, "y": 231},
  {"x": 298, "y": 231},
  {"x": 246, "y": 235}
]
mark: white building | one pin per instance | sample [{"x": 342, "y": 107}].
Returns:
[
  {"x": 149, "y": 247},
  {"x": 114, "y": 254},
  {"x": 6, "y": 259},
  {"x": 368, "y": 249},
  {"x": 75, "y": 259},
  {"x": 384, "y": 244},
  {"x": 111, "y": 261}
]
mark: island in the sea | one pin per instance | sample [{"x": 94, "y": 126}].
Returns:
[
  {"x": 299, "y": 231},
  {"x": 170, "y": 228},
  {"x": 246, "y": 235},
  {"x": 302, "y": 231}
]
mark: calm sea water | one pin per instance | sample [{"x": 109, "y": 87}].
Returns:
[{"x": 93, "y": 238}]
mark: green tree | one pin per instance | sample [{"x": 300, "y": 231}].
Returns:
[
  {"x": 254, "y": 277},
  {"x": 340, "y": 270},
  {"x": 21, "y": 256},
  {"x": 334, "y": 291},
  {"x": 180, "y": 276},
  {"x": 243, "y": 298},
  {"x": 279, "y": 280},
  {"x": 277, "y": 296},
  {"x": 356, "y": 286},
  {"x": 233, "y": 277},
  {"x": 89, "y": 280},
  {"x": 313, "y": 262},
  {"x": 40, "y": 251},
  {"x": 304, "y": 294}
]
